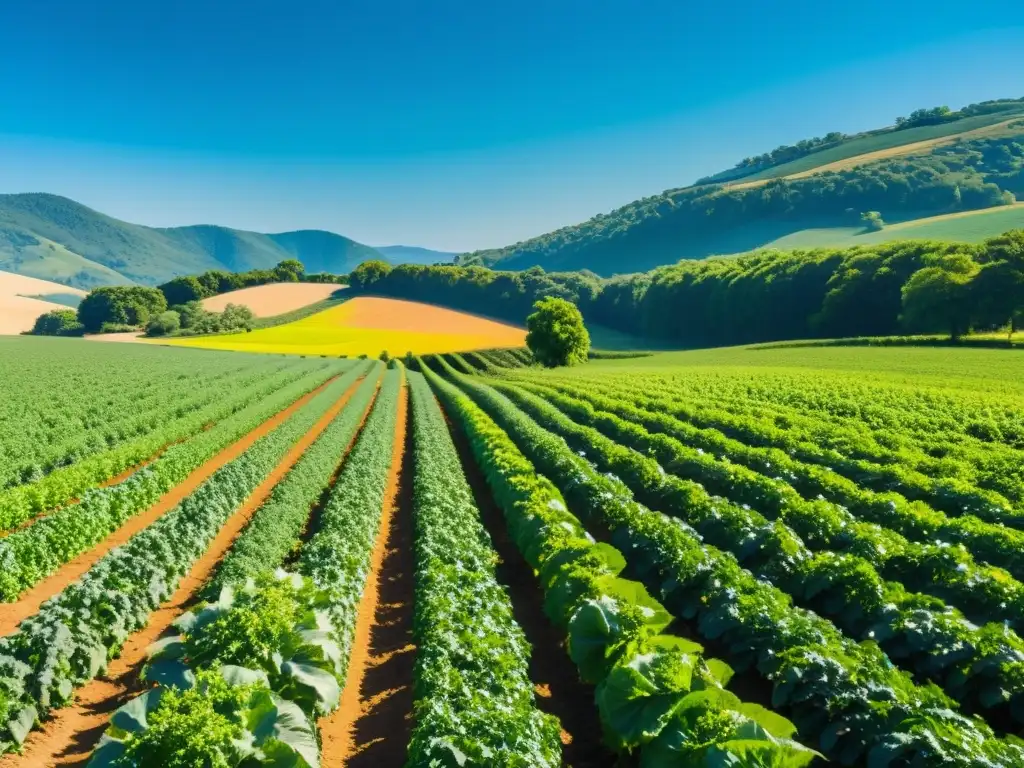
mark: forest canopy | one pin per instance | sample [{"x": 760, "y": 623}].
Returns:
[{"x": 760, "y": 296}]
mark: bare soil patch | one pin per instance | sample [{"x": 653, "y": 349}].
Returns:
[
  {"x": 371, "y": 727},
  {"x": 559, "y": 690},
  {"x": 18, "y": 312},
  {"x": 126, "y": 336},
  {"x": 12, "y": 614},
  {"x": 274, "y": 298},
  {"x": 69, "y": 737}
]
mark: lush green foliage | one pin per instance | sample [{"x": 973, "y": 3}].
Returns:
[
  {"x": 472, "y": 658},
  {"x": 224, "y": 397},
  {"x": 276, "y": 528},
  {"x": 230, "y": 717},
  {"x": 337, "y": 557},
  {"x": 73, "y": 635},
  {"x": 120, "y": 305},
  {"x": 74, "y": 415},
  {"x": 834, "y": 573},
  {"x": 58, "y": 322},
  {"x": 163, "y": 324},
  {"x": 652, "y": 688},
  {"x": 366, "y": 276},
  {"x": 831, "y": 686},
  {"x": 289, "y": 633},
  {"x": 36, "y": 551},
  {"x": 762, "y": 296},
  {"x": 556, "y": 334}
]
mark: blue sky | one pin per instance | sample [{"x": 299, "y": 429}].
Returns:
[{"x": 455, "y": 124}]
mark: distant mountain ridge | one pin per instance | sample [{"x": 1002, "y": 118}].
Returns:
[
  {"x": 54, "y": 238},
  {"x": 412, "y": 254}
]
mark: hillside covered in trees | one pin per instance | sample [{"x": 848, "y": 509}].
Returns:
[
  {"x": 700, "y": 221},
  {"x": 899, "y": 287}
]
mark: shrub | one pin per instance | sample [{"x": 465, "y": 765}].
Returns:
[
  {"x": 164, "y": 324},
  {"x": 58, "y": 322}
]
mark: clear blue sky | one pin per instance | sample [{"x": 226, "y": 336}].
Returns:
[{"x": 455, "y": 124}]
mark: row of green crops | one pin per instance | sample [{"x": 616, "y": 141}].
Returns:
[
  {"x": 920, "y": 414},
  {"x": 835, "y": 520},
  {"x": 656, "y": 693},
  {"x": 983, "y": 667},
  {"x": 34, "y": 552},
  {"x": 275, "y": 530},
  {"x": 21, "y": 503},
  {"x": 953, "y": 486},
  {"x": 337, "y": 558},
  {"x": 776, "y": 480},
  {"x": 952, "y": 471},
  {"x": 271, "y": 636},
  {"x": 71, "y": 638},
  {"x": 62, "y": 401},
  {"x": 845, "y": 697},
  {"x": 474, "y": 700}
]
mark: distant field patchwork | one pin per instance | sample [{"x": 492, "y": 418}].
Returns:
[
  {"x": 368, "y": 325},
  {"x": 963, "y": 226}
]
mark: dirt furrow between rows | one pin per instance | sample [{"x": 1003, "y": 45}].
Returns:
[
  {"x": 12, "y": 614},
  {"x": 372, "y": 725},
  {"x": 560, "y": 692},
  {"x": 70, "y": 735}
]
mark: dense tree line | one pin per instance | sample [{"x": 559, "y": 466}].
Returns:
[
  {"x": 918, "y": 286},
  {"x": 961, "y": 176},
  {"x": 182, "y": 290}
]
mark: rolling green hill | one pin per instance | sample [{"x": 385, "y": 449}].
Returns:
[
  {"x": 53, "y": 238},
  {"x": 981, "y": 168}
]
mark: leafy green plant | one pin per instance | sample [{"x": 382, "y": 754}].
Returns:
[
  {"x": 228, "y": 718},
  {"x": 846, "y": 696},
  {"x": 72, "y": 636},
  {"x": 472, "y": 658}
]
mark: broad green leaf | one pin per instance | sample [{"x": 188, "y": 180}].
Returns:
[
  {"x": 170, "y": 673},
  {"x": 131, "y": 718},
  {"x": 321, "y": 686}
]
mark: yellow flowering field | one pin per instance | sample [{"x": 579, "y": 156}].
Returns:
[{"x": 368, "y": 325}]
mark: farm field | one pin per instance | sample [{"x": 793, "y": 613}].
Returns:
[
  {"x": 746, "y": 557},
  {"x": 368, "y": 325},
  {"x": 867, "y": 148},
  {"x": 962, "y": 226},
  {"x": 273, "y": 298}
]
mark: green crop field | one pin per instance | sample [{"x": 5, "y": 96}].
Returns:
[
  {"x": 718, "y": 557},
  {"x": 965, "y": 226}
]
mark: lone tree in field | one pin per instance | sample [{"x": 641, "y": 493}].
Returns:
[{"x": 556, "y": 333}]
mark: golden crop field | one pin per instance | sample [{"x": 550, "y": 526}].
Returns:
[{"x": 368, "y": 325}]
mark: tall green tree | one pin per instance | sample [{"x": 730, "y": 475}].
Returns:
[
  {"x": 939, "y": 297},
  {"x": 290, "y": 271},
  {"x": 556, "y": 333},
  {"x": 368, "y": 274},
  {"x": 182, "y": 290}
]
